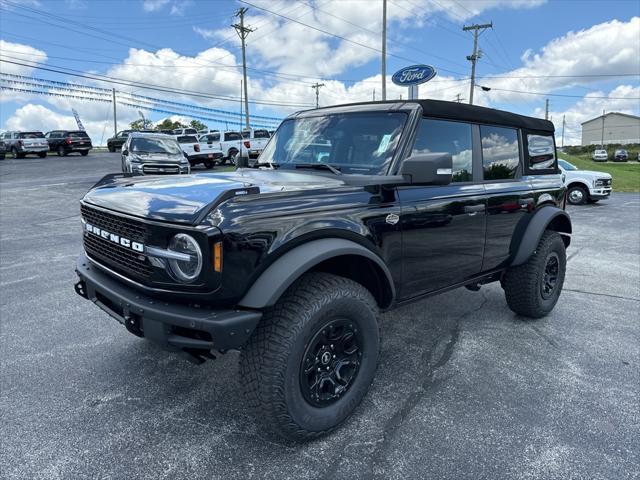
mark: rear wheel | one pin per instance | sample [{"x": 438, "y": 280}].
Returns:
[
  {"x": 61, "y": 151},
  {"x": 42, "y": 154},
  {"x": 313, "y": 356},
  {"x": 84, "y": 153},
  {"x": 577, "y": 195},
  {"x": 533, "y": 288},
  {"x": 209, "y": 164},
  {"x": 111, "y": 148}
]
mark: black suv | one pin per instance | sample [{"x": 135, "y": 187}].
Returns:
[
  {"x": 115, "y": 143},
  {"x": 64, "y": 142},
  {"x": 354, "y": 210}
]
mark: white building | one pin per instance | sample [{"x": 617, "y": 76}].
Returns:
[{"x": 613, "y": 128}]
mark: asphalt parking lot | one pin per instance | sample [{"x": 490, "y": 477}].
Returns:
[{"x": 464, "y": 389}]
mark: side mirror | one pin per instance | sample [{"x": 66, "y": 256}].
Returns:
[{"x": 428, "y": 169}]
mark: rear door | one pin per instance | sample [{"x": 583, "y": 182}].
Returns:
[
  {"x": 443, "y": 227},
  {"x": 509, "y": 195}
]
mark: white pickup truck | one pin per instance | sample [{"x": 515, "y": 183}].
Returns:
[
  {"x": 584, "y": 186},
  {"x": 229, "y": 143},
  {"x": 198, "y": 153},
  {"x": 254, "y": 141}
]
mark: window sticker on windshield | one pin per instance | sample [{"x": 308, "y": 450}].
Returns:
[{"x": 384, "y": 143}]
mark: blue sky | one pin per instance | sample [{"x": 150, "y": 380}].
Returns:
[{"x": 190, "y": 45}]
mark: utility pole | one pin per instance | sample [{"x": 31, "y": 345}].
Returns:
[
  {"x": 563, "y": 125},
  {"x": 243, "y": 32},
  {"x": 458, "y": 98},
  {"x": 473, "y": 58},
  {"x": 115, "y": 120},
  {"x": 602, "y": 138},
  {"x": 384, "y": 49},
  {"x": 546, "y": 109},
  {"x": 316, "y": 87}
]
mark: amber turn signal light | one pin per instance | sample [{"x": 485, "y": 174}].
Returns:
[{"x": 217, "y": 256}]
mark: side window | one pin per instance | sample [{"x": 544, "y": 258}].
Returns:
[
  {"x": 500, "y": 152},
  {"x": 443, "y": 136},
  {"x": 541, "y": 151}
]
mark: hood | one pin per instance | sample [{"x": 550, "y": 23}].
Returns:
[
  {"x": 587, "y": 174},
  {"x": 186, "y": 198},
  {"x": 158, "y": 157}
]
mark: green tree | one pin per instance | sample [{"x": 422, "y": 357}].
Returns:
[
  {"x": 168, "y": 124},
  {"x": 137, "y": 124},
  {"x": 198, "y": 125}
]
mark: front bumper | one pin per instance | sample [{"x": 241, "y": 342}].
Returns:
[
  {"x": 171, "y": 325},
  {"x": 160, "y": 168},
  {"x": 204, "y": 157},
  {"x": 600, "y": 193}
]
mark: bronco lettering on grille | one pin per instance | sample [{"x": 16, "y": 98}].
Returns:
[{"x": 125, "y": 242}]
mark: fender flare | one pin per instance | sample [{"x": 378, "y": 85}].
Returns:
[
  {"x": 275, "y": 280},
  {"x": 525, "y": 244}
]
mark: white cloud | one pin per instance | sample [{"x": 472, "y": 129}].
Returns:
[
  {"x": 590, "y": 107},
  {"x": 177, "y": 6},
  {"x": 604, "y": 49},
  {"x": 21, "y": 52},
  {"x": 153, "y": 5}
]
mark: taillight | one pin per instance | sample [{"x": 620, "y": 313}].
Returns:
[
  {"x": 68, "y": 141},
  {"x": 247, "y": 144},
  {"x": 196, "y": 148}
]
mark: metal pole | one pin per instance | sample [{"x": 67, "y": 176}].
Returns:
[
  {"x": 602, "y": 139},
  {"x": 475, "y": 56},
  {"x": 563, "y": 124},
  {"x": 115, "y": 120},
  {"x": 243, "y": 32},
  {"x": 384, "y": 49}
]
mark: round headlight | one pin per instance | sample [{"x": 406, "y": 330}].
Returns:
[{"x": 185, "y": 270}]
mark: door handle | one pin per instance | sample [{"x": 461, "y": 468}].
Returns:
[{"x": 474, "y": 209}]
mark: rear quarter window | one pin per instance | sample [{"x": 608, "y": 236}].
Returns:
[
  {"x": 541, "y": 152},
  {"x": 500, "y": 152}
]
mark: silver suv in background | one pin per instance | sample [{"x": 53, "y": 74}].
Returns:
[
  {"x": 153, "y": 154},
  {"x": 21, "y": 144},
  {"x": 600, "y": 155},
  {"x": 584, "y": 186}
]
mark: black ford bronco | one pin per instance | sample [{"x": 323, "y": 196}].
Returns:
[{"x": 352, "y": 210}]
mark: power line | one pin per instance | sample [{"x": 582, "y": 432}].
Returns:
[{"x": 545, "y": 94}]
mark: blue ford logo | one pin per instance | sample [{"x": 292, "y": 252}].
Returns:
[{"x": 413, "y": 75}]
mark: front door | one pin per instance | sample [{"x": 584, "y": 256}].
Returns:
[{"x": 443, "y": 228}]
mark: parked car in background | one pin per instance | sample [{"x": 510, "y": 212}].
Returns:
[
  {"x": 600, "y": 155},
  {"x": 254, "y": 141},
  {"x": 64, "y": 142},
  {"x": 210, "y": 152},
  {"x": 115, "y": 143},
  {"x": 621, "y": 155},
  {"x": 192, "y": 147},
  {"x": 3, "y": 149},
  {"x": 584, "y": 186},
  {"x": 231, "y": 145},
  {"x": 21, "y": 144},
  {"x": 153, "y": 154},
  {"x": 185, "y": 131}
]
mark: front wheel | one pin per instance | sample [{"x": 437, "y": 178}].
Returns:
[
  {"x": 84, "y": 153},
  {"x": 111, "y": 148},
  {"x": 533, "y": 288},
  {"x": 577, "y": 195},
  {"x": 209, "y": 164},
  {"x": 313, "y": 356},
  {"x": 61, "y": 151}
]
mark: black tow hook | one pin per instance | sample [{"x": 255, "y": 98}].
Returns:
[{"x": 81, "y": 289}]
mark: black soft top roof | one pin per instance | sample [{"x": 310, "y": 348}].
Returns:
[
  {"x": 474, "y": 113},
  {"x": 449, "y": 111}
]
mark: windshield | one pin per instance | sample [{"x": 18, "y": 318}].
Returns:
[
  {"x": 566, "y": 165},
  {"x": 361, "y": 143},
  {"x": 31, "y": 135},
  {"x": 246, "y": 134},
  {"x": 155, "y": 145}
]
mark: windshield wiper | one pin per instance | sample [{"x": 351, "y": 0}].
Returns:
[{"x": 333, "y": 169}]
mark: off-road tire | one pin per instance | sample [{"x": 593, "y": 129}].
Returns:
[
  {"x": 523, "y": 285},
  {"x": 573, "y": 199},
  {"x": 271, "y": 362}
]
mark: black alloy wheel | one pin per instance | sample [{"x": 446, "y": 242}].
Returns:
[
  {"x": 549, "y": 279},
  {"x": 330, "y": 362}
]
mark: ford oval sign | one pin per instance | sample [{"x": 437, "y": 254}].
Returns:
[{"x": 413, "y": 75}]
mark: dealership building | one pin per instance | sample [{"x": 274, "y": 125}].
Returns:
[{"x": 611, "y": 128}]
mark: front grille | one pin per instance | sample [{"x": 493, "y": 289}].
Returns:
[
  {"x": 161, "y": 169},
  {"x": 110, "y": 253}
]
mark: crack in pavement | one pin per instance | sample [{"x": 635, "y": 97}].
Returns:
[
  {"x": 380, "y": 452},
  {"x": 544, "y": 336},
  {"x": 601, "y": 294}
]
